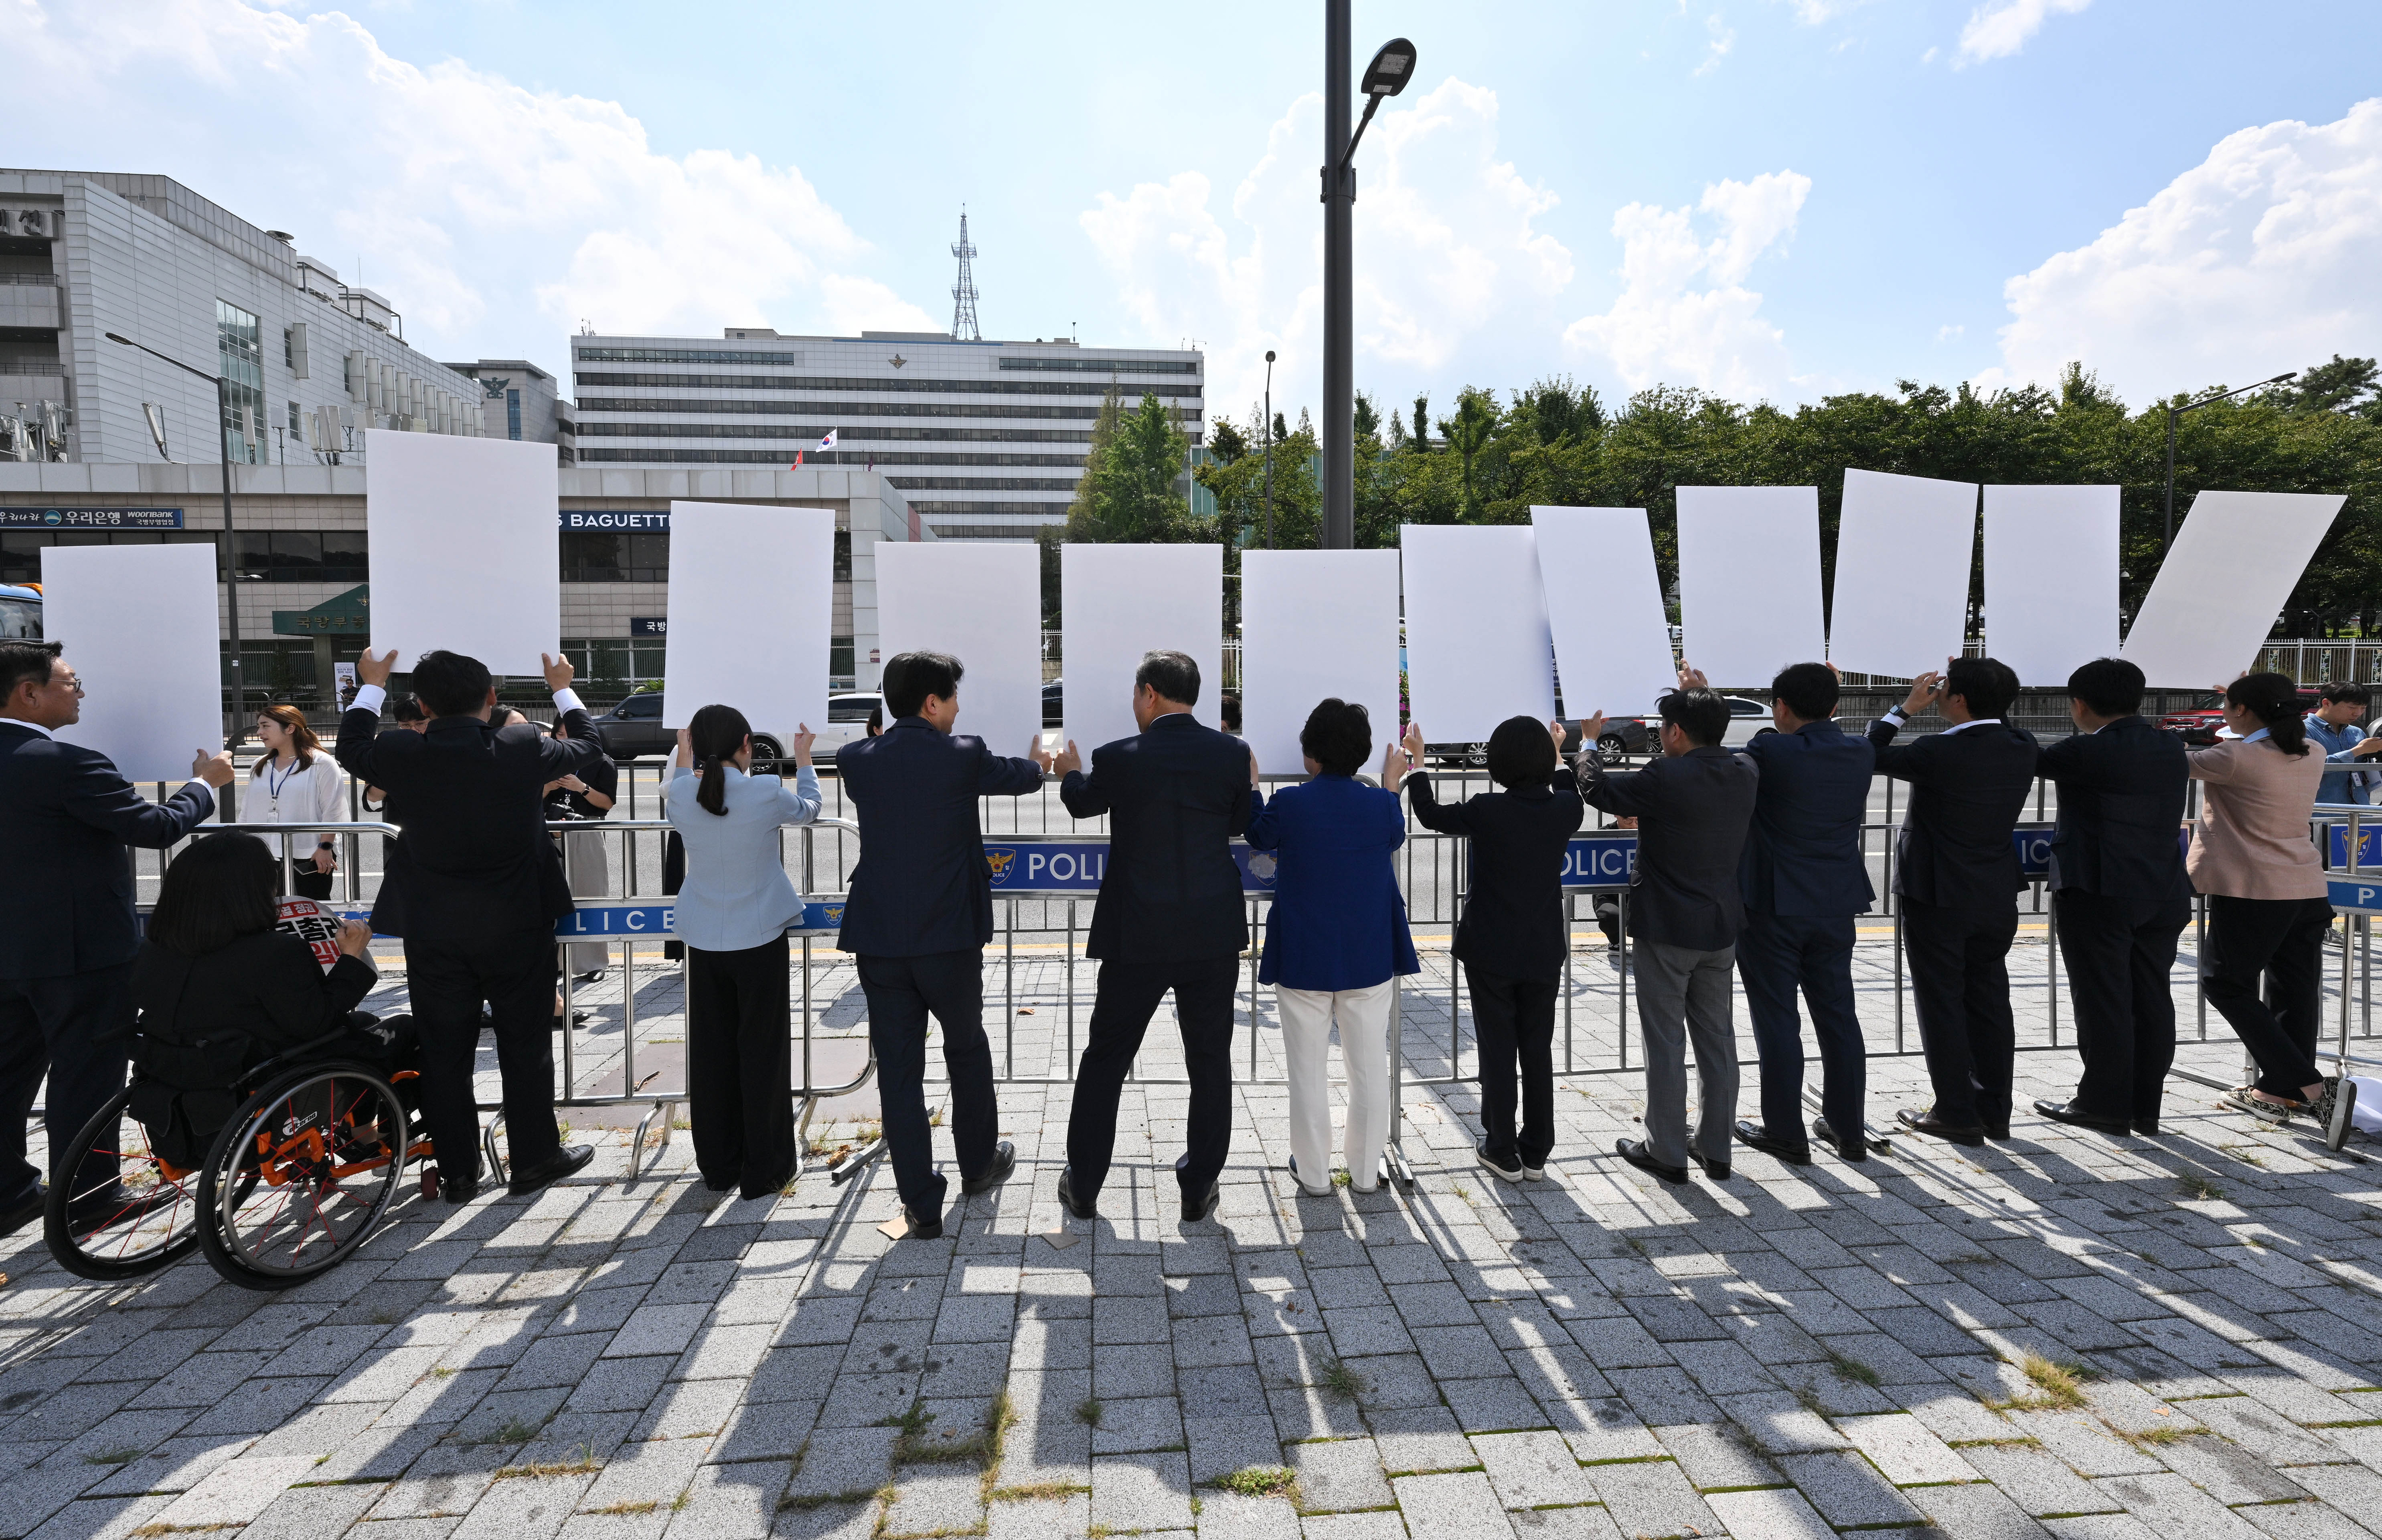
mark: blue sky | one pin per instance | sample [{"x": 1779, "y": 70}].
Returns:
[{"x": 1770, "y": 198}]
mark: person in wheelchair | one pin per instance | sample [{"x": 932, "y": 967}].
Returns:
[{"x": 230, "y": 976}]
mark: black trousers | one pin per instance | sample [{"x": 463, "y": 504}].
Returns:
[
  {"x": 1960, "y": 980},
  {"x": 2119, "y": 954},
  {"x": 1129, "y": 994},
  {"x": 304, "y": 880},
  {"x": 739, "y": 1088},
  {"x": 902, "y": 992},
  {"x": 78, "y": 1028},
  {"x": 448, "y": 981},
  {"x": 1775, "y": 954},
  {"x": 2281, "y": 942},
  {"x": 1514, "y": 1023}
]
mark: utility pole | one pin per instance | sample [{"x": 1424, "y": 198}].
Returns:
[
  {"x": 1267, "y": 428},
  {"x": 1339, "y": 303}
]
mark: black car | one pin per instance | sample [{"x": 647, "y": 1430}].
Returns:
[
  {"x": 1621, "y": 736},
  {"x": 1054, "y": 705},
  {"x": 634, "y": 728}
]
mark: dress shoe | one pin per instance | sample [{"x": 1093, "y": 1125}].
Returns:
[
  {"x": 1714, "y": 1171},
  {"x": 2146, "y": 1127},
  {"x": 25, "y": 1210},
  {"x": 1197, "y": 1208},
  {"x": 561, "y": 1163},
  {"x": 1853, "y": 1148},
  {"x": 587, "y": 977},
  {"x": 458, "y": 1190},
  {"x": 1503, "y": 1173},
  {"x": 1067, "y": 1197},
  {"x": 1005, "y": 1161},
  {"x": 1971, "y": 1134},
  {"x": 923, "y": 1226},
  {"x": 1749, "y": 1132},
  {"x": 1999, "y": 1132},
  {"x": 2069, "y": 1113},
  {"x": 1323, "y": 1191},
  {"x": 1634, "y": 1152},
  {"x": 577, "y": 1018}
]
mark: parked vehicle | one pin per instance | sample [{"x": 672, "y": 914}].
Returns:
[
  {"x": 1054, "y": 705},
  {"x": 847, "y": 722},
  {"x": 634, "y": 729},
  {"x": 2203, "y": 721},
  {"x": 21, "y": 613}
]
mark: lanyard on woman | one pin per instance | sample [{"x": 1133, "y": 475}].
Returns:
[{"x": 273, "y": 787}]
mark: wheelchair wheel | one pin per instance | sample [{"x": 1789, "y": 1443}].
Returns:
[
  {"x": 139, "y": 1215},
  {"x": 301, "y": 1177}
]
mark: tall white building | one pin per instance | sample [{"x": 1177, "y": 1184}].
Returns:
[{"x": 985, "y": 440}]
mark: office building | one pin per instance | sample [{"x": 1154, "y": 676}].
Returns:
[{"x": 521, "y": 402}]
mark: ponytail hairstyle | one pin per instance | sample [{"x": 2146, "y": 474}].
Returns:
[
  {"x": 2274, "y": 700},
  {"x": 717, "y": 735}
]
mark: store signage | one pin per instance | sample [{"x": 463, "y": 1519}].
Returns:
[
  {"x": 616, "y": 521},
  {"x": 649, "y": 625},
  {"x": 91, "y": 518}
]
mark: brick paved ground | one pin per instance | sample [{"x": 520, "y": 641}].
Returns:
[{"x": 2064, "y": 1335}]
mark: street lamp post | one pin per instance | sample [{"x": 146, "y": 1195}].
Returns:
[
  {"x": 1392, "y": 68},
  {"x": 231, "y": 557},
  {"x": 1267, "y": 427},
  {"x": 2167, "y": 540}
]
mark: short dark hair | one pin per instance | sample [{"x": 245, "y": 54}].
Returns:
[
  {"x": 911, "y": 677},
  {"x": 2346, "y": 695},
  {"x": 408, "y": 708},
  {"x": 215, "y": 891},
  {"x": 20, "y": 661},
  {"x": 1700, "y": 714},
  {"x": 1338, "y": 735},
  {"x": 1521, "y": 753},
  {"x": 2111, "y": 686},
  {"x": 1228, "y": 712},
  {"x": 1172, "y": 674},
  {"x": 1810, "y": 690},
  {"x": 1987, "y": 685},
  {"x": 450, "y": 685}
]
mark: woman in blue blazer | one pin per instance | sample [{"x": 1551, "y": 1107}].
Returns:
[
  {"x": 732, "y": 911},
  {"x": 1335, "y": 939}
]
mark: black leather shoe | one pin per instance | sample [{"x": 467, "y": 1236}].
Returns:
[
  {"x": 1067, "y": 1197},
  {"x": 2068, "y": 1112},
  {"x": 1999, "y": 1132},
  {"x": 1853, "y": 1148},
  {"x": 458, "y": 1190},
  {"x": 1634, "y": 1152},
  {"x": 1749, "y": 1132},
  {"x": 1971, "y": 1134},
  {"x": 1005, "y": 1161},
  {"x": 561, "y": 1163},
  {"x": 25, "y": 1210},
  {"x": 2146, "y": 1127},
  {"x": 923, "y": 1226},
  {"x": 1714, "y": 1171},
  {"x": 1197, "y": 1208}
]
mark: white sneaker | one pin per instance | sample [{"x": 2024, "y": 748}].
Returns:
[
  {"x": 1503, "y": 1173},
  {"x": 1324, "y": 1191},
  {"x": 1534, "y": 1172}
]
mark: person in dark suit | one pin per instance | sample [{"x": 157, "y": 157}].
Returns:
[
  {"x": 1686, "y": 907},
  {"x": 916, "y": 920},
  {"x": 1805, "y": 879},
  {"x": 1511, "y": 938},
  {"x": 1955, "y": 872},
  {"x": 2120, "y": 895},
  {"x": 67, "y": 931},
  {"x": 1170, "y": 916},
  {"x": 479, "y": 886}
]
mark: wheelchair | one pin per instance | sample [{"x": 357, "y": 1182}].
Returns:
[{"x": 291, "y": 1185}]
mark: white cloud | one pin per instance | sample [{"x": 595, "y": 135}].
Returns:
[
  {"x": 1661, "y": 326},
  {"x": 1724, "y": 38},
  {"x": 1445, "y": 233},
  {"x": 474, "y": 203},
  {"x": 1950, "y": 333},
  {"x": 2001, "y": 28},
  {"x": 2259, "y": 259}
]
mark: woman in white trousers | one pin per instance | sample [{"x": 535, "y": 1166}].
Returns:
[{"x": 1335, "y": 940}]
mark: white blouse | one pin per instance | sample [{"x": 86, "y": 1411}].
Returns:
[{"x": 279, "y": 794}]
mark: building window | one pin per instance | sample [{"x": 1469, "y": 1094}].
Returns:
[
  {"x": 301, "y": 556},
  {"x": 512, "y": 414},
  {"x": 21, "y": 549},
  {"x": 589, "y": 557},
  {"x": 840, "y": 673},
  {"x": 615, "y": 661},
  {"x": 843, "y": 556},
  {"x": 240, "y": 357},
  {"x": 297, "y": 424}
]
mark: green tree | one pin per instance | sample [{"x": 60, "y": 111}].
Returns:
[
  {"x": 1468, "y": 433},
  {"x": 1127, "y": 490}
]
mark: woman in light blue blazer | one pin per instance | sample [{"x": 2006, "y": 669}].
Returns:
[{"x": 732, "y": 913}]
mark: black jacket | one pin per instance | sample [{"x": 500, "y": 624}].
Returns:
[
  {"x": 1968, "y": 789},
  {"x": 1177, "y": 795},
  {"x": 1803, "y": 850},
  {"x": 2121, "y": 795},
  {"x": 475, "y": 861},
  {"x": 1513, "y": 922},
  {"x": 921, "y": 885},
  {"x": 1692, "y": 812},
  {"x": 266, "y": 985},
  {"x": 66, "y": 821}
]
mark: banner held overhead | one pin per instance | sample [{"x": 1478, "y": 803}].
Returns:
[
  {"x": 1604, "y": 605},
  {"x": 139, "y": 624},
  {"x": 466, "y": 551},
  {"x": 1905, "y": 547},
  {"x": 752, "y": 601},
  {"x": 980, "y": 601},
  {"x": 1749, "y": 581},
  {"x": 1120, "y": 601},
  {"x": 2051, "y": 579},
  {"x": 2234, "y": 564},
  {"x": 1316, "y": 624},
  {"x": 1478, "y": 648}
]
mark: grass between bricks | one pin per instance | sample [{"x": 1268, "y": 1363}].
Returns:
[
  {"x": 1088, "y": 1411},
  {"x": 1853, "y": 1369},
  {"x": 1040, "y": 1491},
  {"x": 150, "y": 1531},
  {"x": 112, "y": 1456},
  {"x": 585, "y": 1465},
  {"x": 1343, "y": 1381},
  {"x": 1263, "y": 1481},
  {"x": 2057, "y": 1387}
]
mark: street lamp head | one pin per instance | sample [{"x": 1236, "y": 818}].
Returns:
[
  {"x": 2284, "y": 379},
  {"x": 1392, "y": 68},
  {"x": 125, "y": 340},
  {"x": 1268, "y": 355}
]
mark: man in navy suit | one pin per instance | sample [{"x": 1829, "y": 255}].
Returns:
[
  {"x": 917, "y": 917},
  {"x": 1170, "y": 916},
  {"x": 1805, "y": 879},
  {"x": 67, "y": 931}
]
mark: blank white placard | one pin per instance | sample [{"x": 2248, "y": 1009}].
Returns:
[
  {"x": 466, "y": 548},
  {"x": 1905, "y": 547},
  {"x": 752, "y": 601},
  {"x": 982, "y": 603},
  {"x": 1749, "y": 581},
  {"x": 1316, "y": 624},
  {"x": 1604, "y": 604},
  {"x": 2236, "y": 558},
  {"x": 139, "y": 624},
  {"x": 1120, "y": 601},
  {"x": 2051, "y": 579},
  {"x": 1478, "y": 649}
]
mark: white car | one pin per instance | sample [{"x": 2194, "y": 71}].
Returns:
[
  {"x": 847, "y": 720},
  {"x": 1746, "y": 718}
]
